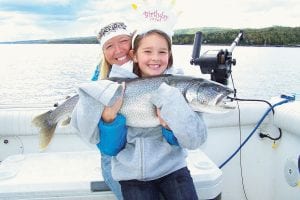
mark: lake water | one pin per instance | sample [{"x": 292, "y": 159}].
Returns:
[{"x": 46, "y": 73}]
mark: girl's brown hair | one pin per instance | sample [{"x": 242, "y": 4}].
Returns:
[{"x": 137, "y": 41}]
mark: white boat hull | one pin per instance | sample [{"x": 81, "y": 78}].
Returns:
[{"x": 261, "y": 170}]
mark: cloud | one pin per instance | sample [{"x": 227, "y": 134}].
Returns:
[
  {"x": 52, "y": 10},
  {"x": 26, "y": 20},
  {"x": 17, "y": 26},
  {"x": 32, "y": 3},
  {"x": 47, "y": 19},
  {"x": 238, "y": 14}
]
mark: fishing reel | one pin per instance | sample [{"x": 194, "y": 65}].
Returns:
[{"x": 216, "y": 63}]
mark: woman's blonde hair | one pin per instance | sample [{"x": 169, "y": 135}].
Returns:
[{"x": 105, "y": 68}]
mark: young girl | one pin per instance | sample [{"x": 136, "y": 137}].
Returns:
[
  {"x": 151, "y": 53},
  {"x": 153, "y": 159}
]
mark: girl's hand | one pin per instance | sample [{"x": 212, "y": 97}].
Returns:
[
  {"x": 110, "y": 112},
  {"x": 161, "y": 121}
]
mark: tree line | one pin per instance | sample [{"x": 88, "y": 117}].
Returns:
[{"x": 271, "y": 36}]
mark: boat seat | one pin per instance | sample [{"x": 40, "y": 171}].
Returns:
[
  {"x": 288, "y": 114},
  {"x": 17, "y": 122}
]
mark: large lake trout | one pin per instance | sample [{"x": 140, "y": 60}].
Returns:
[{"x": 201, "y": 94}]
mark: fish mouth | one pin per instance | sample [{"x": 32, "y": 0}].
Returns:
[{"x": 225, "y": 101}]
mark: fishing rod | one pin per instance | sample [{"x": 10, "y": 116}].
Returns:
[{"x": 217, "y": 63}]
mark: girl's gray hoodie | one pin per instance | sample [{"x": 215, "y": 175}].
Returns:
[{"x": 146, "y": 155}]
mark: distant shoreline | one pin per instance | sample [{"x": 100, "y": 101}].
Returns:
[
  {"x": 241, "y": 45},
  {"x": 275, "y": 36}
]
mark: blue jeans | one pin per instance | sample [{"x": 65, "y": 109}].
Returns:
[
  {"x": 106, "y": 173},
  {"x": 175, "y": 186}
]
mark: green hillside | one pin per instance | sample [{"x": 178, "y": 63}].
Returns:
[{"x": 270, "y": 36}]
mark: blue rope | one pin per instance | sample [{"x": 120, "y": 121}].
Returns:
[{"x": 287, "y": 99}]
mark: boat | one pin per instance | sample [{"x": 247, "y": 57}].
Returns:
[{"x": 250, "y": 153}]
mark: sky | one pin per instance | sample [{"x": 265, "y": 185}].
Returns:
[{"x": 53, "y": 19}]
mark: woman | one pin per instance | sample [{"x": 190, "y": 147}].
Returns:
[{"x": 115, "y": 41}]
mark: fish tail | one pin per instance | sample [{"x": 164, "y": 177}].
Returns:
[
  {"x": 46, "y": 136},
  {"x": 47, "y": 129}
]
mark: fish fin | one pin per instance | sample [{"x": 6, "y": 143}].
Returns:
[
  {"x": 66, "y": 121},
  {"x": 46, "y": 129}
]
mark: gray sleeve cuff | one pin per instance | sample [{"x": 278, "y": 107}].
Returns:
[{"x": 187, "y": 125}]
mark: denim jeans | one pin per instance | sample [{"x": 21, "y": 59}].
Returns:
[
  {"x": 106, "y": 173},
  {"x": 175, "y": 186}
]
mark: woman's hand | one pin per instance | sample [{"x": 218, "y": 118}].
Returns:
[
  {"x": 110, "y": 112},
  {"x": 161, "y": 121}
]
